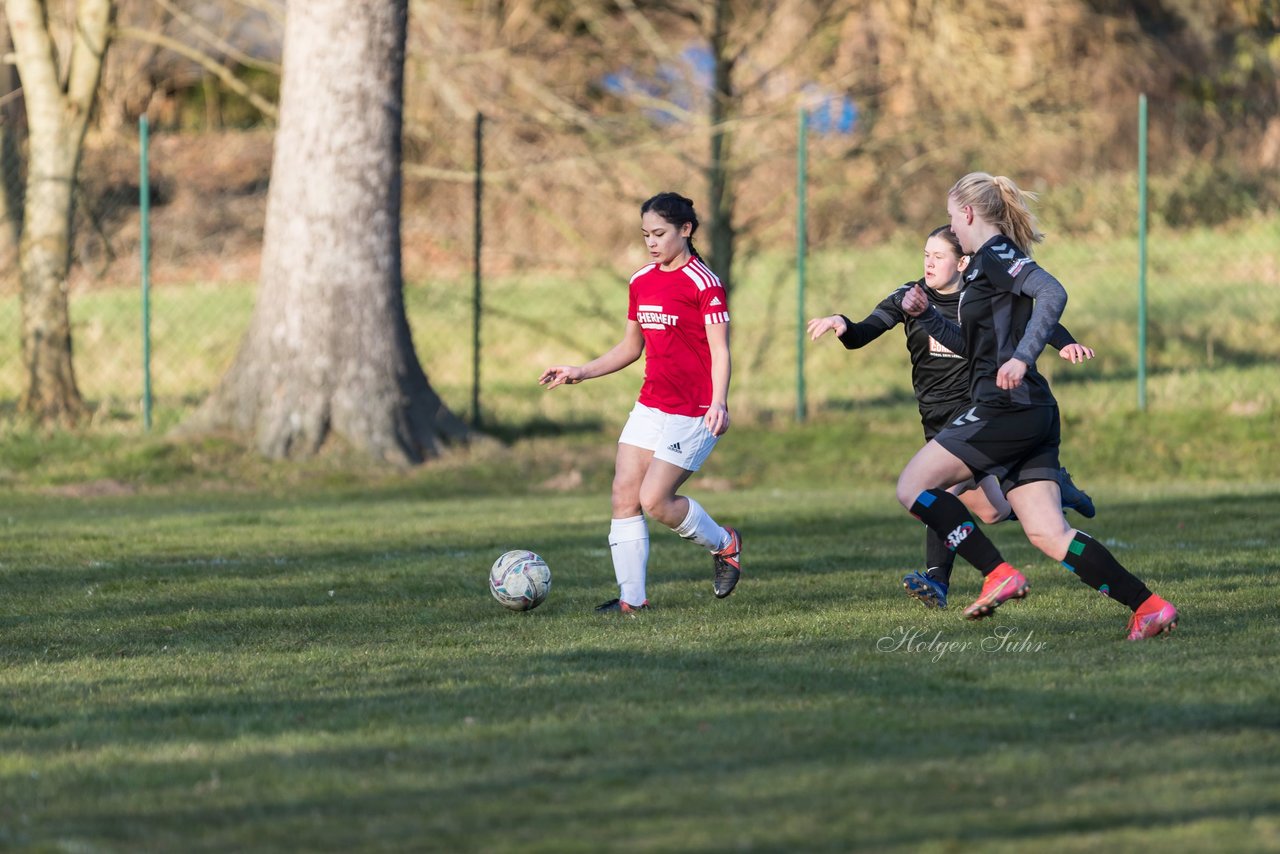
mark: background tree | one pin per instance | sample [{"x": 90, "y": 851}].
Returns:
[
  {"x": 329, "y": 349},
  {"x": 12, "y": 128},
  {"x": 759, "y": 55},
  {"x": 749, "y": 44},
  {"x": 695, "y": 96},
  {"x": 59, "y": 88},
  {"x": 1049, "y": 91}
]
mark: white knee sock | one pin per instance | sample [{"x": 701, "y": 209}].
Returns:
[
  {"x": 629, "y": 546},
  {"x": 702, "y": 529}
]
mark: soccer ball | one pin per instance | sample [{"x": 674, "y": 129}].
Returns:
[{"x": 520, "y": 580}]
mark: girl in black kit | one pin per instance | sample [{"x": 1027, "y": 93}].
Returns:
[
  {"x": 1008, "y": 310},
  {"x": 940, "y": 379}
]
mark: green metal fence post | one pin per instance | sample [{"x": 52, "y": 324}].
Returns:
[
  {"x": 144, "y": 205},
  {"x": 1142, "y": 252},
  {"x": 802, "y": 239}
]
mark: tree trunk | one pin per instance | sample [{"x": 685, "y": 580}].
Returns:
[
  {"x": 44, "y": 260},
  {"x": 719, "y": 182},
  {"x": 57, "y": 117},
  {"x": 329, "y": 347},
  {"x": 11, "y": 123}
]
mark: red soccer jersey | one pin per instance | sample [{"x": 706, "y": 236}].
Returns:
[{"x": 674, "y": 309}]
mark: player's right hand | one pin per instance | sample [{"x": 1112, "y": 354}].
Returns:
[
  {"x": 915, "y": 301},
  {"x": 820, "y": 325},
  {"x": 560, "y": 375}
]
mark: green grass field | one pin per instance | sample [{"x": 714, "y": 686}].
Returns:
[
  {"x": 307, "y": 658},
  {"x": 201, "y": 650}
]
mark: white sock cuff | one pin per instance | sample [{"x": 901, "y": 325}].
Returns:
[
  {"x": 691, "y": 519},
  {"x": 701, "y": 528},
  {"x": 628, "y": 530}
]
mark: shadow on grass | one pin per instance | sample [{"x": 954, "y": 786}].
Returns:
[
  {"x": 510, "y": 432},
  {"x": 890, "y": 400},
  {"x": 581, "y": 745}
]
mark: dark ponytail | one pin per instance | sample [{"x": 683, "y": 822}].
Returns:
[{"x": 677, "y": 210}]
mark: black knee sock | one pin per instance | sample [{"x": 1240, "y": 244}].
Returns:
[
  {"x": 950, "y": 519},
  {"x": 1097, "y": 567},
  {"x": 937, "y": 557}
]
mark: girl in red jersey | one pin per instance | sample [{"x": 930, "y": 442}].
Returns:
[{"x": 679, "y": 318}]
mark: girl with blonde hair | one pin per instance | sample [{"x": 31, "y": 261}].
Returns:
[
  {"x": 1011, "y": 429},
  {"x": 940, "y": 380}
]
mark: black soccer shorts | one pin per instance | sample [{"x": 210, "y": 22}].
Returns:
[{"x": 1017, "y": 445}]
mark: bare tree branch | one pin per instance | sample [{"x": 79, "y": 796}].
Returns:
[
  {"x": 504, "y": 176},
  {"x": 273, "y": 10},
  {"x": 208, "y": 63},
  {"x": 648, "y": 34},
  {"x": 212, "y": 38},
  {"x": 827, "y": 16}
]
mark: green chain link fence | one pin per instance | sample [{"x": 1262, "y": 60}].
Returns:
[
  {"x": 206, "y": 236},
  {"x": 560, "y": 238}
]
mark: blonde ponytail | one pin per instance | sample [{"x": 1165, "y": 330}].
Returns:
[{"x": 999, "y": 201}]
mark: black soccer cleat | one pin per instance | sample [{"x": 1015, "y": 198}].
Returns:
[
  {"x": 617, "y": 606},
  {"x": 727, "y": 563},
  {"x": 1073, "y": 497}
]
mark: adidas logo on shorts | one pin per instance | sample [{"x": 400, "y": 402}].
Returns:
[{"x": 674, "y": 446}]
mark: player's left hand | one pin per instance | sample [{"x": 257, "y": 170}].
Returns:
[
  {"x": 717, "y": 419},
  {"x": 1076, "y": 353},
  {"x": 1010, "y": 374}
]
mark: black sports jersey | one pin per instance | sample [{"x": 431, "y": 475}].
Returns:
[
  {"x": 938, "y": 376},
  {"x": 993, "y": 317}
]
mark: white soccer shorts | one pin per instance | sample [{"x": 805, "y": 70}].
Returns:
[{"x": 682, "y": 440}]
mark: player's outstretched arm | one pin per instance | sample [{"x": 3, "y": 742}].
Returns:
[
  {"x": 856, "y": 335},
  {"x": 619, "y": 356}
]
